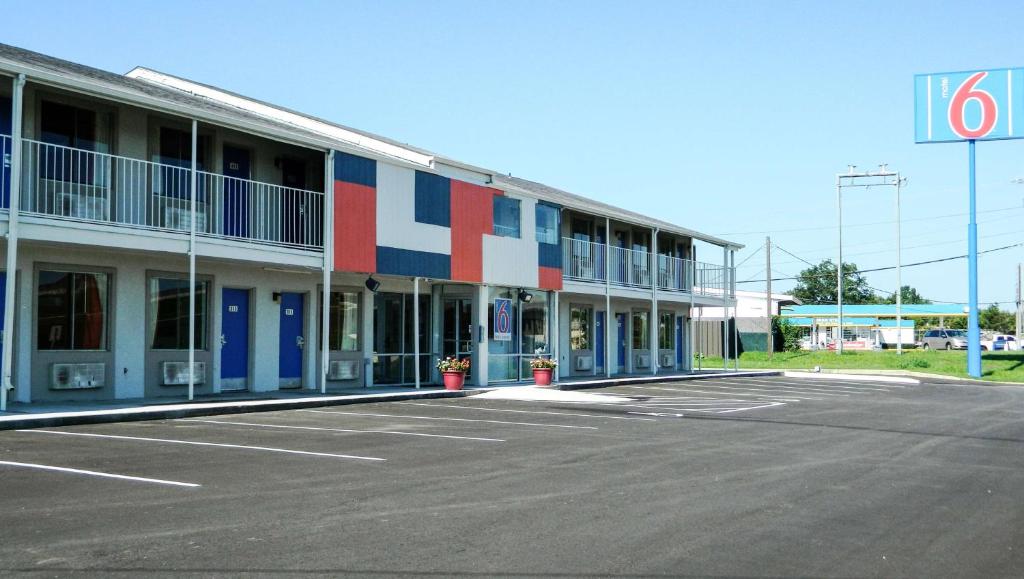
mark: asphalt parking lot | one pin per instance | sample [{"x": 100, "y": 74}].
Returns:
[{"x": 734, "y": 477}]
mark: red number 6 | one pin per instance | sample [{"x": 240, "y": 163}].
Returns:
[{"x": 989, "y": 111}]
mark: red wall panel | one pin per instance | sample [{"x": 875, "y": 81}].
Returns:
[
  {"x": 472, "y": 214},
  {"x": 549, "y": 278},
  {"x": 355, "y": 227}
]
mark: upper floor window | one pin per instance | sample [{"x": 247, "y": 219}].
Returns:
[
  {"x": 68, "y": 126},
  {"x": 547, "y": 224},
  {"x": 506, "y": 216}
]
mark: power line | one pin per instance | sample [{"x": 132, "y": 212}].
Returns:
[{"x": 759, "y": 248}]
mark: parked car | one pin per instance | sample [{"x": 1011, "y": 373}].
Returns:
[
  {"x": 944, "y": 340},
  {"x": 997, "y": 342}
]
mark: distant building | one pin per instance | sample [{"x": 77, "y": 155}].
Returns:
[{"x": 866, "y": 326}]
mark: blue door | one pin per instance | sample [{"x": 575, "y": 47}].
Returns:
[
  {"x": 600, "y": 339},
  {"x": 679, "y": 342},
  {"x": 234, "y": 340},
  {"x": 236, "y": 191},
  {"x": 5, "y": 152},
  {"x": 620, "y": 341},
  {"x": 291, "y": 341}
]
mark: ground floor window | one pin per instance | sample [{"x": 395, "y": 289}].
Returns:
[
  {"x": 344, "y": 321},
  {"x": 579, "y": 328},
  {"x": 517, "y": 333},
  {"x": 666, "y": 330},
  {"x": 641, "y": 330},
  {"x": 394, "y": 338},
  {"x": 72, "y": 310},
  {"x": 168, "y": 310}
]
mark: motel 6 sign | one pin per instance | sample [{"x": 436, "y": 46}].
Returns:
[{"x": 962, "y": 106}]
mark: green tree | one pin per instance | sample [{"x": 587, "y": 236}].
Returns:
[
  {"x": 817, "y": 285},
  {"x": 909, "y": 295},
  {"x": 993, "y": 318}
]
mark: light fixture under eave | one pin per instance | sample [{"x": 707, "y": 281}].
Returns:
[
  {"x": 372, "y": 284},
  {"x": 525, "y": 296}
]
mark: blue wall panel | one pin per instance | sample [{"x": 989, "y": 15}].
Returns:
[
  {"x": 549, "y": 255},
  {"x": 394, "y": 261},
  {"x": 433, "y": 199},
  {"x": 353, "y": 169}
]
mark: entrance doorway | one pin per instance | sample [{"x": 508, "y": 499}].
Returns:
[
  {"x": 458, "y": 329},
  {"x": 291, "y": 340},
  {"x": 234, "y": 340},
  {"x": 237, "y": 170},
  {"x": 620, "y": 341}
]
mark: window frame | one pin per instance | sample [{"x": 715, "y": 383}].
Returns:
[
  {"x": 503, "y": 199},
  {"x": 587, "y": 339},
  {"x": 542, "y": 238},
  {"x": 359, "y": 319},
  {"x": 203, "y": 341},
  {"x": 645, "y": 335},
  {"x": 108, "y": 315}
]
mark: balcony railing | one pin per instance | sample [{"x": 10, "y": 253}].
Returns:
[
  {"x": 585, "y": 261},
  {"x": 83, "y": 185}
]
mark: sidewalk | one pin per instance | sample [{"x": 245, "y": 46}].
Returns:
[{"x": 38, "y": 415}]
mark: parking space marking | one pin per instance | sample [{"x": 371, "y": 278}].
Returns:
[
  {"x": 749, "y": 391},
  {"x": 825, "y": 387},
  {"x": 443, "y": 405},
  {"x": 318, "y": 428},
  {"x": 214, "y": 444},
  {"x": 449, "y": 419},
  {"x": 97, "y": 473},
  {"x": 779, "y": 389}
]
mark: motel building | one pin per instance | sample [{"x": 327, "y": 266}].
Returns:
[{"x": 149, "y": 220}]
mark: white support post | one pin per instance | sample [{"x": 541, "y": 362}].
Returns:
[
  {"x": 731, "y": 272},
  {"x": 655, "y": 351},
  {"x": 193, "y": 181},
  {"x": 608, "y": 300},
  {"x": 725, "y": 308},
  {"x": 328, "y": 229},
  {"x": 553, "y": 321},
  {"x": 12, "y": 241},
  {"x": 416, "y": 329}
]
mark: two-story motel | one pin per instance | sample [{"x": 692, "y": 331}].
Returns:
[{"x": 150, "y": 220}]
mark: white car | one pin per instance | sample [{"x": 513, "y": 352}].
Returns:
[{"x": 997, "y": 342}]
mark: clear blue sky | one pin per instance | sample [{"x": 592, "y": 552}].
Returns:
[{"x": 727, "y": 117}]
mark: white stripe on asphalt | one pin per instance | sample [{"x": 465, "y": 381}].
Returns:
[
  {"x": 158, "y": 481},
  {"x": 442, "y": 405},
  {"x": 396, "y": 432},
  {"x": 779, "y": 389},
  {"x": 825, "y": 387},
  {"x": 750, "y": 408},
  {"x": 450, "y": 419},
  {"x": 195, "y": 443},
  {"x": 790, "y": 397}
]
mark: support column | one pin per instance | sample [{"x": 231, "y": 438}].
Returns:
[
  {"x": 731, "y": 272},
  {"x": 436, "y": 323},
  {"x": 10, "y": 303},
  {"x": 416, "y": 329},
  {"x": 608, "y": 300},
  {"x": 655, "y": 350},
  {"x": 480, "y": 344},
  {"x": 725, "y": 308},
  {"x": 366, "y": 332},
  {"x": 328, "y": 234},
  {"x": 193, "y": 182},
  {"x": 553, "y": 328}
]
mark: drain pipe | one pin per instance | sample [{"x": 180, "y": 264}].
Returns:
[{"x": 12, "y": 241}]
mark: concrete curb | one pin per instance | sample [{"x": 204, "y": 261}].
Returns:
[
  {"x": 171, "y": 411},
  {"x": 909, "y": 373},
  {"x": 626, "y": 381}
]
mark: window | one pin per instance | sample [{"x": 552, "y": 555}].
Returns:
[
  {"x": 168, "y": 308},
  {"x": 175, "y": 160},
  {"x": 666, "y": 321},
  {"x": 68, "y": 126},
  {"x": 535, "y": 324},
  {"x": 547, "y": 224},
  {"x": 72, "y": 311},
  {"x": 579, "y": 328},
  {"x": 506, "y": 216},
  {"x": 641, "y": 331},
  {"x": 344, "y": 322}
]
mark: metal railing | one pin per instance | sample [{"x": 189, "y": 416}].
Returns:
[
  {"x": 582, "y": 260},
  {"x": 83, "y": 185},
  {"x": 674, "y": 273},
  {"x": 629, "y": 267},
  {"x": 710, "y": 279}
]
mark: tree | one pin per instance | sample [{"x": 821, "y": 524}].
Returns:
[
  {"x": 993, "y": 318},
  {"x": 908, "y": 295},
  {"x": 817, "y": 285}
]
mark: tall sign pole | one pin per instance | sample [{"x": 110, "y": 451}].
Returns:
[
  {"x": 978, "y": 105},
  {"x": 768, "y": 294}
]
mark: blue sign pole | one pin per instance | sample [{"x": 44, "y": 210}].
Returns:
[{"x": 973, "y": 332}]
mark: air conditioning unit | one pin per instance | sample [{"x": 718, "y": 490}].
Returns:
[
  {"x": 343, "y": 370},
  {"x": 642, "y": 361},
  {"x": 178, "y": 218},
  {"x": 176, "y": 373},
  {"x": 585, "y": 363},
  {"x": 667, "y": 361},
  {"x": 78, "y": 376},
  {"x": 84, "y": 206}
]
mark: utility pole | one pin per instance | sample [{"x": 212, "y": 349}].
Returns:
[
  {"x": 1020, "y": 313},
  {"x": 768, "y": 295}
]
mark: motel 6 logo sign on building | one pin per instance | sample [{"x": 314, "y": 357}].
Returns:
[{"x": 975, "y": 105}]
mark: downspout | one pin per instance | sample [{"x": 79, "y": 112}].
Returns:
[
  {"x": 192, "y": 265},
  {"x": 325, "y": 314},
  {"x": 12, "y": 239}
]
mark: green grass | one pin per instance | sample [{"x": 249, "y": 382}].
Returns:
[{"x": 996, "y": 366}]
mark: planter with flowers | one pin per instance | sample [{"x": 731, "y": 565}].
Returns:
[
  {"x": 453, "y": 370},
  {"x": 542, "y": 370}
]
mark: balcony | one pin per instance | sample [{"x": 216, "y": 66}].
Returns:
[
  {"x": 587, "y": 261},
  {"x": 80, "y": 185}
]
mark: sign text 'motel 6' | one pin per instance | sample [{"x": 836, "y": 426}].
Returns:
[
  {"x": 963, "y": 106},
  {"x": 979, "y": 105}
]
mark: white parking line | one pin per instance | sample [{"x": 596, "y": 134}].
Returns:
[
  {"x": 158, "y": 481},
  {"x": 825, "y": 387},
  {"x": 790, "y": 397},
  {"x": 443, "y": 405},
  {"x": 449, "y": 419},
  {"x": 396, "y": 432},
  {"x": 779, "y": 389},
  {"x": 195, "y": 443}
]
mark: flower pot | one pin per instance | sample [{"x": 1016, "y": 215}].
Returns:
[
  {"x": 542, "y": 376},
  {"x": 454, "y": 380}
]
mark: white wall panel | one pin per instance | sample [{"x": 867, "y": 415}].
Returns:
[
  {"x": 396, "y": 214},
  {"x": 510, "y": 262}
]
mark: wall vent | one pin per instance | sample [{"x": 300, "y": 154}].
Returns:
[
  {"x": 78, "y": 376},
  {"x": 176, "y": 373}
]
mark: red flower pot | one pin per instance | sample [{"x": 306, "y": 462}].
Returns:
[
  {"x": 542, "y": 376},
  {"x": 454, "y": 380}
]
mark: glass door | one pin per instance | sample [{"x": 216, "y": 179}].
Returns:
[{"x": 458, "y": 329}]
